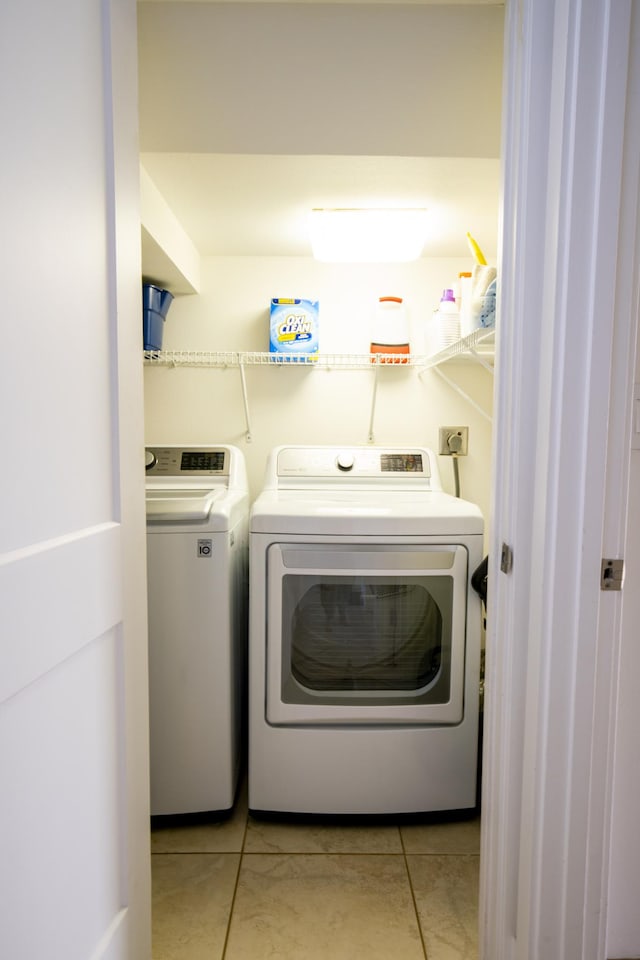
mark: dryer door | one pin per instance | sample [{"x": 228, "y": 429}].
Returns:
[{"x": 364, "y": 635}]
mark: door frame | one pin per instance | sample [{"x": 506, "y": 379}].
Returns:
[
  {"x": 564, "y": 384},
  {"x": 121, "y": 89}
]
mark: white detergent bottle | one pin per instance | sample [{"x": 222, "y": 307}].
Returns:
[
  {"x": 390, "y": 334},
  {"x": 445, "y": 325}
]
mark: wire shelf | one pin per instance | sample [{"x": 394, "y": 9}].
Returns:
[{"x": 480, "y": 342}]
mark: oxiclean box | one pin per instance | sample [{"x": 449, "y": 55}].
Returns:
[{"x": 294, "y": 326}]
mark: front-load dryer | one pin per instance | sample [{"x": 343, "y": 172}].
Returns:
[
  {"x": 197, "y": 506},
  {"x": 364, "y": 635}
]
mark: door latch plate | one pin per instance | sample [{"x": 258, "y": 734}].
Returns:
[
  {"x": 506, "y": 558},
  {"x": 611, "y": 574}
]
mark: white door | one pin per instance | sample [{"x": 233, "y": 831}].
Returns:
[
  {"x": 74, "y": 866},
  {"x": 569, "y": 300}
]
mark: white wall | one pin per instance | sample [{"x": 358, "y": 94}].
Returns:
[
  {"x": 392, "y": 79},
  {"x": 186, "y": 405}
]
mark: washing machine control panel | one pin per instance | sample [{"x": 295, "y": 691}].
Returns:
[
  {"x": 327, "y": 462},
  {"x": 186, "y": 461}
]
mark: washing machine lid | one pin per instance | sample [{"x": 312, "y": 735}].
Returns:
[
  {"x": 365, "y": 513},
  {"x": 176, "y": 506},
  {"x": 197, "y": 485}
]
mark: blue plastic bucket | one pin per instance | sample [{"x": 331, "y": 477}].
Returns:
[
  {"x": 155, "y": 305},
  {"x": 152, "y": 329}
]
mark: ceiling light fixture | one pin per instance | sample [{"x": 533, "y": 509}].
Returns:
[{"x": 361, "y": 235}]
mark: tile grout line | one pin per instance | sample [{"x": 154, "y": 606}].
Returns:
[
  {"x": 413, "y": 895},
  {"x": 235, "y": 889}
]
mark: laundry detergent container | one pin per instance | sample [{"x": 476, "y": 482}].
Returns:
[{"x": 155, "y": 306}]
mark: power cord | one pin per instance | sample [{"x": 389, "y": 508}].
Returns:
[
  {"x": 454, "y": 442},
  {"x": 456, "y": 475}
]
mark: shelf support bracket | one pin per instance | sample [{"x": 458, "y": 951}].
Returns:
[
  {"x": 481, "y": 360},
  {"x": 245, "y": 400},
  {"x": 462, "y": 393},
  {"x": 370, "y": 438}
]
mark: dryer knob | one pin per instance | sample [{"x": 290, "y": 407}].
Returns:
[
  {"x": 345, "y": 461},
  {"x": 149, "y": 460}
]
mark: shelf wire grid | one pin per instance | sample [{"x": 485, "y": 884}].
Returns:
[{"x": 476, "y": 342}]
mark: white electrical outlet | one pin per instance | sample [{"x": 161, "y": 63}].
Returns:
[{"x": 453, "y": 441}]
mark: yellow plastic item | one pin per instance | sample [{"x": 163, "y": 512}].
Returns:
[{"x": 476, "y": 251}]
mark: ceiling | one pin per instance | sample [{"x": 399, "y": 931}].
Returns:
[{"x": 251, "y": 113}]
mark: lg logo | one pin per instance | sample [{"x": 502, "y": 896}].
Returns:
[{"x": 205, "y": 549}]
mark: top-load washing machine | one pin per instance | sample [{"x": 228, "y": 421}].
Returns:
[
  {"x": 197, "y": 505},
  {"x": 364, "y": 635}
]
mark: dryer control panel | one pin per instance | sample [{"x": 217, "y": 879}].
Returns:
[{"x": 382, "y": 463}]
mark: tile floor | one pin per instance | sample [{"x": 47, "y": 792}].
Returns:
[{"x": 247, "y": 889}]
